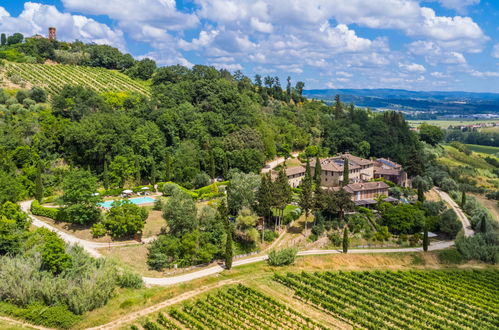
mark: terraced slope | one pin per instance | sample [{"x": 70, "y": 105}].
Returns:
[{"x": 54, "y": 77}]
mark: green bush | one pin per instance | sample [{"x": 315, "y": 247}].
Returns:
[
  {"x": 335, "y": 239},
  {"x": 269, "y": 235},
  {"x": 282, "y": 257},
  {"x": 57, "y": 316},
  {"x": 48, "y": 212},
  {"x": 480, "y": 246},
  {"x": 98, "y": 229},
  {"x": 128, "y": 279}
]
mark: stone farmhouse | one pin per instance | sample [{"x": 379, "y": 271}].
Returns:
[{"x": 361, "y": 171}]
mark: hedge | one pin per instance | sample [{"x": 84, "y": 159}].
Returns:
[{"x": 48, "y": 212}]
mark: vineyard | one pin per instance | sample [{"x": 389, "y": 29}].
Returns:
[
  {"x": 237, "y": 307},
  {"x": 54, "y": 77},
  {"x": 403, "y": 299}
]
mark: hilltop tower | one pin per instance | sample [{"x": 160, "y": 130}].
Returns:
[{"x": 52, "y": 33}]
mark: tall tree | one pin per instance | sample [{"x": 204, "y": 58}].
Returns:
[
  {"x": 105, "y": 176},
  {"x": 168, "y": 167},
  {"x": 223, "y": 214},
  {"x": 317, "y": 171},
  {"x": 339, "y": 202},
  {"x": 345, "y": 239},
  {"x": 264, "y": 199},
  {"x": 282, "y": 193},
  {"x": 346, "y": 172},
  {"x": 154, "y": 174},
  {"x": 3, "y": 39},
  {"x": 288, "y": 86},
  {"x": 420, "y": 192},
  {"x": 306, "y": 197},
  {"x": 138, "y": 177},
  {"x": 39, "y": 182},
  {"x": 463, "y": 198},
  {"x": 338, "y": 109},
  {"x": 426, "y": 240}
]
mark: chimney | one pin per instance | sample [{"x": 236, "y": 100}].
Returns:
[{"x": 52, "y": 33}]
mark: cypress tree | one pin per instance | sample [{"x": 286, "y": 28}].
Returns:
[
  {"x": 223, "y": 215},
  {"x": 346, "y": 172},
  {"x": 282, "y": 192},
  {"x": 338, "y": 111},
  {"x": 105, "y": 176},
  {"x": 211, "y": 165},
  {"x": 3, "y": 39},
  {"x": 317, "y": 172},
  {"x": 345, "y": 239},
  {"x": 463, "y": 198},
  {"x": 426, "y": 240},
  {"x": 137, "y": 174},
  {"x": 306, "y": 198},
  {"x": 154, "y": 174},
  {"x": 39, "y": 182},
  {"x": 483, "y": 225},
  {"x": 225, "y": 166},
  {"x": 264, "y": 199},
  {"x": 168, "y": 167},
  {"x": 420, "y": 192}
]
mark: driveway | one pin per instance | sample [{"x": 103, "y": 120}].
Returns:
[
  {"x": 276, "y": 162},
  {"x": 460, "y": 214}
]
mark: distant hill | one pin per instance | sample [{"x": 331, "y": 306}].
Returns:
[
  {"x": 53, "y": 77},
  {"x": 438, "y": 103}
]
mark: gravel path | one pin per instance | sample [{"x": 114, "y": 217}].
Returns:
[{"x": 91, "y": 247}]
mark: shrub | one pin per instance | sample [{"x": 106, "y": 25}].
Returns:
[
  {"x": 480, "y": 246},
  {"x": 98, "y": 229},
  {"x": 128, "y": 279},
  {"x": 282, "y": 257},
  {"x": 335, "y": 239},
  {"x": 449, "y": 223},
  {"x": 57, "y": 316},
  {"x": 48, "y": 212},
  {"x": 269, "y": 235}
]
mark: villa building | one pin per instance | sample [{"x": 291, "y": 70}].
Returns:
[
  {"x": 361, "y": 171},
  {"x": 391, "y": 171}
]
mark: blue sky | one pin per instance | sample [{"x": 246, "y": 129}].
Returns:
[{"x": 410, "y": 44}]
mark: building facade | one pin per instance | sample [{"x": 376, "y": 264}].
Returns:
[{"x": 360, "y": 169}]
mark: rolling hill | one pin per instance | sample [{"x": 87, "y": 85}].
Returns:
[{"x": 54, "y": 76}]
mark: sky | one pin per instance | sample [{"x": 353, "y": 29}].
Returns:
[{"x": 409, "y": 44}]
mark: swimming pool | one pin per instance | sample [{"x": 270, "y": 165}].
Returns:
[{"x": 138, "y": 201}]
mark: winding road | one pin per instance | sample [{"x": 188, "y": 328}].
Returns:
[{"x": 91, "y": 247}]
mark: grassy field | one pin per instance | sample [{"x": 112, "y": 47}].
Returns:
[
  {"x": 54, "y": 77},
  {"x": 484, "y": 149},
  {"x": 447, "y": 123}
]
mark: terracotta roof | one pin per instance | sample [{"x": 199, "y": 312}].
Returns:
[
  {"x": 295, "y": 170},
  {"x": 355, "y": 187},
  {"x": 386, "y": 171},
  {"x": 355, "y": 159},
  {"x": 388, "y": 162}
]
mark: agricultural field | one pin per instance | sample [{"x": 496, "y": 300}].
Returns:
[
  {"x": 447, "y": 123},
  {"x": 473, "y": 166},
  {"x": 235, "y": 308},
  {"x": 404, "y": 299},
  {"x": 484, "y": 149},
  {"x": 54, "y": 77}
]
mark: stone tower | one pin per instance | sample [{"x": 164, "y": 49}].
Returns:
[{"x": 52, "y": 33}]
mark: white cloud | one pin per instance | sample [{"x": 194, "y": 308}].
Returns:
[
  {"x": 484, "y": 74},
  {"x": 439, "y": 75},
  {"x": 261, "y": 26},
  {"x": 495, "y": 51},
  {"x": 435, "y": 54},
  {"x": 3, "y": 12},
  {"x": 36, "y": 18},
  {"x": 412, "y": 67},
  {"x": 459, "y": 5}
]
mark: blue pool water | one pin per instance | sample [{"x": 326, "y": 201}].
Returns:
[{"x": 138, "y": 201}]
